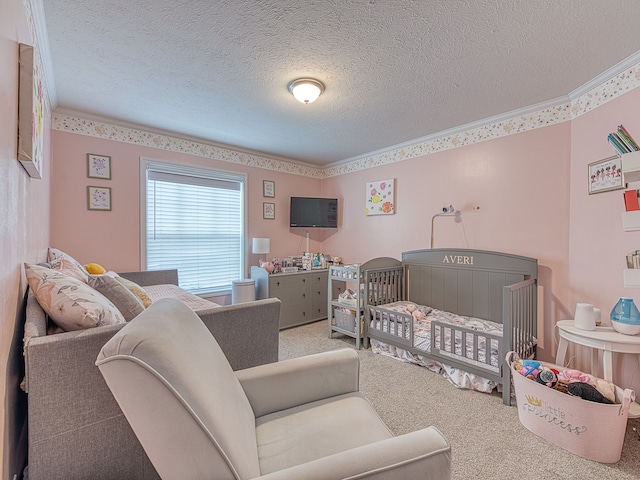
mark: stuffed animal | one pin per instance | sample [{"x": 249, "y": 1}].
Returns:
[
  {"x": 570, "y": 376},
  {"x": 530, "y": 369},
  {"x": 268, "y": 266}
]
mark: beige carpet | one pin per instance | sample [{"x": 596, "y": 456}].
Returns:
[{"x": 486, "y": 436}]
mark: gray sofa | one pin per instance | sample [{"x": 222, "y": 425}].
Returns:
[{"x": 76, "y": 429}]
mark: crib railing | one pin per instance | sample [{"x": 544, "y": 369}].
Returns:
[
  {"x": 520, "y": 314},
  {"x": 384, "y": 285},
  {"x": 463, "y": 344}
]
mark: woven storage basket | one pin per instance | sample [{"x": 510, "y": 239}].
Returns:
[
  {"x": 345, "y": 318},
  {"x": 589, "y": 429}
]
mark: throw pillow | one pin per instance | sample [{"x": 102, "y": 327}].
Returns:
[
  {"x": 71, "y": 304},
  {"x": 124, "y": 299},
  {"x": 137, "y": 290},
  {"x": 54, "y": 254},
  {"x": 64, "y": 265},
  {"x": 95, "y": 268}
]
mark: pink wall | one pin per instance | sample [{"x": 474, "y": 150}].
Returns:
[
  {"x": 598, "y": 245},
  {"x": 112, "y": 238},
  {"x": 519, "y": 182},
  {"x": 24, "y": 233}
]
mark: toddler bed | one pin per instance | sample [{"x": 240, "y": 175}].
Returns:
[{"x": 473, "y": 306}]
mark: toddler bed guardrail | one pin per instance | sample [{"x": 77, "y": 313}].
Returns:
[{"x": 474, "y": 306}]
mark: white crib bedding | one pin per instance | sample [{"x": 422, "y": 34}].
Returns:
[{"x": 422, "y": 341}]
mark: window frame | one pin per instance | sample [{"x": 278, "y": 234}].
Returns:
[{"x": 177, "y": 167}]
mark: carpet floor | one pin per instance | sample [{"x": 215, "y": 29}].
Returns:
[{"x": 487, "y": 439}]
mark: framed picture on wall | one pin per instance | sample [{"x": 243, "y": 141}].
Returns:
[
  {"x": 30, "y": 112},
  {"x": 269, "y": 211},
  {"x": 98, "y": 166},
  {"x": 268, "y": 188},
  {"x": 606, "y": 175},
  {"x": 99, "y": 198}
]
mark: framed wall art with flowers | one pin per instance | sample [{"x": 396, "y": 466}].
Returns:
[{"x": 380, "y": 198}]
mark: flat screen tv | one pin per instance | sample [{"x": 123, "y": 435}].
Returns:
[{"x": 314, "y": 212}]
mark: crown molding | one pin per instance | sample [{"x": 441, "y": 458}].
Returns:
[{"x": 94, "y": 126}]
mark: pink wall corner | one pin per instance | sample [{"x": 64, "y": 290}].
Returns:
[
  {"x": 518, "y": 181},
  {"x": 598, "y": 244}
]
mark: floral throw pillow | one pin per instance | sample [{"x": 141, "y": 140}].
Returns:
[{"x": 71, "y": 304}]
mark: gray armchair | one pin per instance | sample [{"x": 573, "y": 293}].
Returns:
[{"x": 295, "y": 419}]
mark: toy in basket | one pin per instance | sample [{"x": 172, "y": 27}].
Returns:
[{"x": 586, "y": 428}]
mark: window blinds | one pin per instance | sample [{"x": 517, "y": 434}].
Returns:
[{"x": 195, "y": 223}]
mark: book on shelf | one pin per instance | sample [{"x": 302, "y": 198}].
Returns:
[
  {"x": 626, "y": 136},
  {"x": 622, "y": 141},
  {"x": 631, "y": 200}
]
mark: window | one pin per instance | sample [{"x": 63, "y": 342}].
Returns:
[{"x": 193, "y": 220}]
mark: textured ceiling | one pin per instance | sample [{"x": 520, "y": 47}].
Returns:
[{"x": 394, "y": 71}]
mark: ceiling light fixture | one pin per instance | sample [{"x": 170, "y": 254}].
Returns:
[{"x": 306, "y": 90}]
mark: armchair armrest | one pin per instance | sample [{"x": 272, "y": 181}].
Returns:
[
  {"x": 278, "y": 386},
  {"x": 424, "y": 454}
]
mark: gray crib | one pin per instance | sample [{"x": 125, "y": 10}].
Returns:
[{"x": 494, "y": 286}]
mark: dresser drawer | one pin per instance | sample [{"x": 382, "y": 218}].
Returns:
[
  {"x": 285, "y": 281},
  {"x": 293, "y": 295},
  {"x": 292, "y": 315}
]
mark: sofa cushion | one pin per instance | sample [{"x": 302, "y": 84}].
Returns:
[
  {"x": 114, "y": 289},
  {"x": 71, "y": 304}
]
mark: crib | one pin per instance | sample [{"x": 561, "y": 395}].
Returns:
[{"x": 477, "y": 286}]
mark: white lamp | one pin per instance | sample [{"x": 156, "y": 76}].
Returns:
[
  {"x": 306, "y": 90},
  {"x": 261, "y": 246}
]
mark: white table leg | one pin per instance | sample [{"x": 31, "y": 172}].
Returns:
[
  {"x": 562, "y": 352},
  {"x": 607, "y": 365},
  {"x": 594, "y": 362}
]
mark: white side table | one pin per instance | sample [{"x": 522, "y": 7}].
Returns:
[{"x": 602, "y": 338}]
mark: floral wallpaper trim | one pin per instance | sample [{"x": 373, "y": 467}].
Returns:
[
  {"x": 108, "y": 131},
  {"x": 617, "y": 85}
]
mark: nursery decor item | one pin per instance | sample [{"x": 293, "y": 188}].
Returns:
[
  {"x": 584, "y": 317},
  {"x": 99, "y": 198},
  {"x": 268, "y": 188},
  {"x": 30, "y": 112},
  {"x": 589, "y": 429},
  {"x": 625, "y": 317},
  {"x": 380, "y": 198},
  {"x": 268, "y": 210},
  {"x": 606, "y": 175},
  {"x": 98, "y": 166}
]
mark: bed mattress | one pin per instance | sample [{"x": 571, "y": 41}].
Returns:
[
  {"x": 422, "y": 341},
  {"x": 156, "y": 292}
]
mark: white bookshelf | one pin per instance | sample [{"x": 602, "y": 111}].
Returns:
[
  {"x": 631, "y": 166},
  {"x": 631, "y": 277}
]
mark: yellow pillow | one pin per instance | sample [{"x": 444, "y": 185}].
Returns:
[{"x": 95, "y": 269}]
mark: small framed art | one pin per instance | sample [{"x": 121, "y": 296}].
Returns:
[
  {"x": 98, "y": 166},
  {"x": 269, "y": 211},
  {"x": 606, "y": 175},
  {"x": 99, "y": 198},
  {"x": 268, "y": 188}
]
